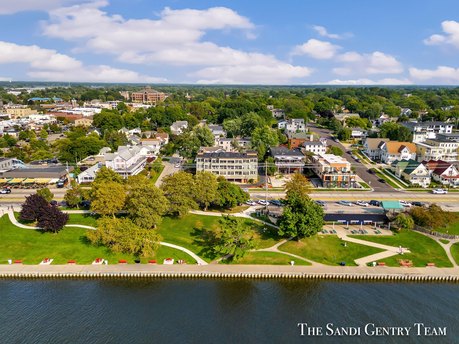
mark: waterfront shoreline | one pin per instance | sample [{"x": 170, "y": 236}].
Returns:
[{"x": 228, "y": 272}]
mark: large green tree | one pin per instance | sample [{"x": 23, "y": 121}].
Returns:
[
  {"x": 206, "y": 186},
  {"x": 122, "y": 235},
  {"x": 107, "y": 198},
  {"x": 233, "y": 239},
  {"x": 263, "y": 138},
  {"x": 146, "y": 204},
  {"x": 179, "y": 189},
  {"x": 229, "y": 195}
]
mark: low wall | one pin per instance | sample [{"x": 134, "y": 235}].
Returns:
[{"x": 434, "y": 233}]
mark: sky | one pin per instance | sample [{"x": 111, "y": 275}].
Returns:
[{"x": 300, "y": 42}]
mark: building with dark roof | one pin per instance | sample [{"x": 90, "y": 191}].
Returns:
[
  {"x": 39, "y": 172},
  {"x": 428, "y": 130},
  {"x": 287, "y": 160},
  {"x": 233, "y": 166}
]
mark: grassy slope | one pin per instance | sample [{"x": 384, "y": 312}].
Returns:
[
  {"x": 272, "y": 258},
  {"x": 423, "y": 249},
  {"x": 455, "y": 252},
  {"x": 32, "y": 246},
  {"x": 328, "y": 249}
]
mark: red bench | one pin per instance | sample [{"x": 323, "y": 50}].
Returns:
[
  {"x": 152, "y": 262},
  {"x": 430, "y": 264},
  {"x": 381, "y": 264},
  {"x": 71, "y": 262},
  {"x": 18, "y": 261},
  {"x": 122, "y": 261}
]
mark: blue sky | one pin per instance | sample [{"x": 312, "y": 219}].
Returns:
[{"x": 231, "y": 42}]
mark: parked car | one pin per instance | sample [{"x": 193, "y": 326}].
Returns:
[
  {"x": 405, "y": 203},
  {"x": 417, "y": 204},
  {"x": 54, "y": 203},
  {"x": 263, "y": 202},
  {"x": 250, "y": 202},
  {"x": 362, "y": 203},
  {"x": 346, "y": 203},
  {"x": 5, "y": 191},
  {"x": 381, "y": 180},
  {"x": 321, "y": 203},
  {"x": 439, "y": 191},
  {"x": 371, "y": 171},
  {"x": 276, "y": 202},
  {"x": 85, "y": 203},
  {"x": 375, "y": 203}
]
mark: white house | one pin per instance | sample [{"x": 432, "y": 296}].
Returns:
[
  {"x": 127, "y": 160},
  {"x": 392, "y": 150},
  {"x": 428, "y": 130},
  {"x": 371, "y": 147},
  {"x": 443, "y": 172},
  {"x": 179, "y": 127},
  {"x": 315, "y": 147},
  {"x": 413, "y": 172},
  {"x": 295, "y": 125}
]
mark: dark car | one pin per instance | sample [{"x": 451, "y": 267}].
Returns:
[
  {"x": 276, "y": 202},
  {"x": 321, "y": 203},
  {"x": 375, "y": 203},
  {"x": 54, "y": 203},
  {"x": 417, "y": 204},
  {"x": 371, "y": 171},
  {"x": 382, "y": 180}
]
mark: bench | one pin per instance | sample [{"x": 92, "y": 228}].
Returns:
[
  {"x": 430, "y": 264},
  {"x": 18, "y": 261},
  {"x": 71, "y": 262},
  {"x": 122, "y": 261},
  {"x": 381, "y": 264},
  {"x": 152, "y": 262}
]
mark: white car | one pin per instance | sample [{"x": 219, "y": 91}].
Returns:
[
  {"x": 263, "y": 202},
  {"x": 405, "y": 203},
  {"x": 362, "y": 203},
  {"x": 251, "y": 203},
  {"x": 439, "y": 191}
]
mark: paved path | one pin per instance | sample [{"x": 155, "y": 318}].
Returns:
[
  {"x": 446, "y": 247},
  {"x": 198, "y": 259},
  {"x": 167, "y": 170},
  {"x": 243, "y": 214}
]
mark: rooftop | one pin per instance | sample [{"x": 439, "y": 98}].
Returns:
[
  {"x": 228, "y": 155},
  {"x": 283, "y": 151}
]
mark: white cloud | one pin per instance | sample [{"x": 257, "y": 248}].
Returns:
[
  {"x": 322, "y": 31},
  {"x": 251, "y": 74},
  {"x": 15, "y": 6},
  {"x": 49, "y": 65},
  {"x": 317, "y": 49},
  {"x": 451, "y": 36},
  {"x": 366, "y": 64},
  {"x": 364, "y": 81},
  {"x": 175, "y": 38},
  {"x": 441, "y": 74}
]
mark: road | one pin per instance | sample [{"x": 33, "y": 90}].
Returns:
[
  {"x": 169, "y": 168},
  {"x": 360, "y": 169}
]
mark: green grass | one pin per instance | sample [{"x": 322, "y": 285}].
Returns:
[
  {"x": 155, "y": 175},
  {"x": 423, "y": 249},
  {"x": 452, "y": 229},
  {"x": 328, "y": 249},
  {"x": 444, "y": 241},
  {"x": 271, "y": 258},
  {"x": 386, "y": 178},
  {"x": 82, "y": 219},
  {"x": 32, "y": 246},
  {"x": 391, "y": 175},
  {"x": 187, "y": 232},
  {"x": 455, "y": 252},
  {"x": 364, "y": 185}
]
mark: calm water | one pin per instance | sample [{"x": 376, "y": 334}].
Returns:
[{"x": 217, "y": 311}]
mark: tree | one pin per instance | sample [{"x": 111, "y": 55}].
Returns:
[
  {"x": 271, "y": 166},
  {"x": 233, "y": 238},
  {"x": 302, "y": 217},
  {"x": 404, "y": 221},
  {"x": 107, "y": 198},
  {"x": 33, "y": 207},
  {"x": 52, "y": 219},
  {"x": 122, "y": 235},
  {"x": 206, "y": 186},
  {"x": 43, "y": 134},
  {"x": 229, "y": 195},
  {"x": 46, "y": 194},
  {"x": 146, "y": 204},
  {"x": 335, "y": 150},
  {"x": 73, "y": 196},
  {"x": 298, "y": 184},
  {"x": 344, "y": 134},
  {"x": 105, "y": 175},
  {"x": 179, "y": 189},
  {"x": 263, "y": 138}
]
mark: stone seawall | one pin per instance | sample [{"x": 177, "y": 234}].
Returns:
[{"x": 350, "y": 276}]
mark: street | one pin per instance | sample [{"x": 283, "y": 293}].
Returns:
[{"x": 360, "y": 169}]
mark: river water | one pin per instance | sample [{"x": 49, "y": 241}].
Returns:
[{"x": 220, "y": 311}]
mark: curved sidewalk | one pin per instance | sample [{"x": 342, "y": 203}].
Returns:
[{"x": 198, "y": 259}]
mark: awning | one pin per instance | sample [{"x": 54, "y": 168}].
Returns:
[
  {"x": 42, "y": 180},
  {"x": 28, "y": 181},
  {"x": 53, "y": 181},
  {"x": 15, "y": 181},
  {"x": 4, "y": 180}
]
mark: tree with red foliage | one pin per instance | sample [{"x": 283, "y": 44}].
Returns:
[
  {"x": 52, "y": 219},
  {"x": 33, "y": 207}
]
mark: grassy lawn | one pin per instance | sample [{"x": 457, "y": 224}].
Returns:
[
  {"x": 32, "y": 246},
  {"x": 423, "y": 249},
  {"x": 455, "y": 252},
  {"x": 155, "y": 175},
  {"x": 186, "y": 232},
  {"x": 272, "y": 258},
  {"x": 328, "y": 249},
  {"x": 452, "y": 229},
  {"x": 82, "y": 219},
  {"x": 444, "y": 241},
  {"x": 386, "y": 178}
]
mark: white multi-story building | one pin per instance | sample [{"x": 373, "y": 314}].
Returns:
[
  {"x": 315, "y": 147},
  {"x": 233, "y": 144},
  {"x": 233, "y": 166},
  {"x": 127, "y": 160},
  {"x": 372, "y": 149},
  {"x": 296, "y": 125},
  {"x": 333, "y": 170},
  {"x": 179, "y": 127},
  {"x": 393, "y": 150},
  {"x": 428, "y": 130},
  {"x": 437, "y": 149}
]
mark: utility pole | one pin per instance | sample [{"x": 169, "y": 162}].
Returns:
[{"x": 266, "y": 187}]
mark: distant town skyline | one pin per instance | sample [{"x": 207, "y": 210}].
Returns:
[{"x": 231, "y": 42}]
